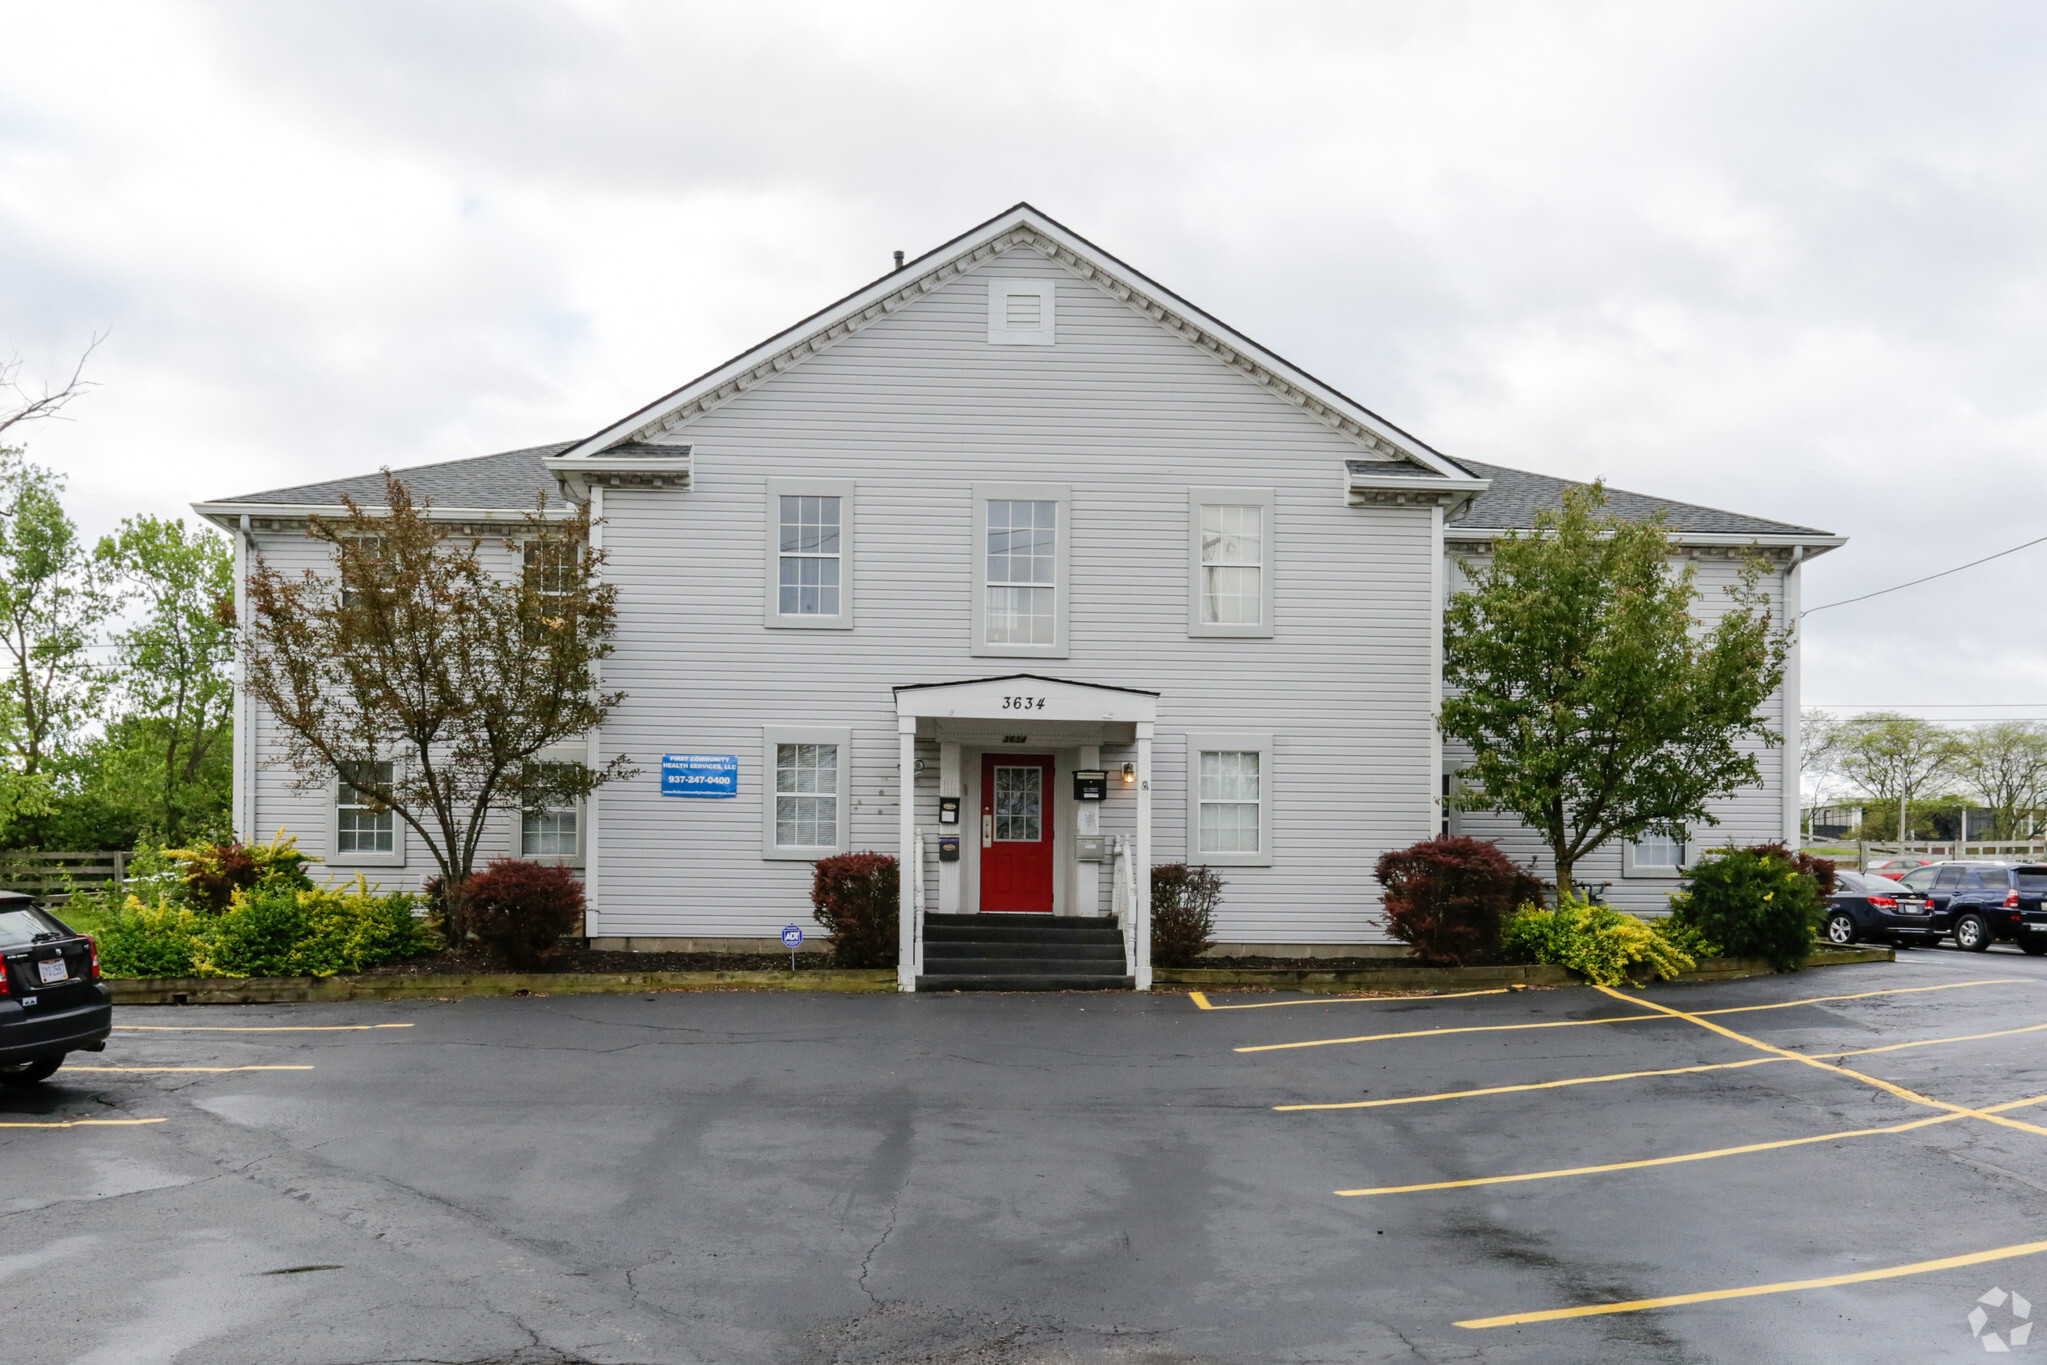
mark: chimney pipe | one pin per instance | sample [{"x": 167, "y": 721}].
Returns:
[{"x": 899, "y": 260}]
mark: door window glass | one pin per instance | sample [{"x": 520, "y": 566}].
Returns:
[
  {"x": 1950, "y": 879},
  {"x": 1992, "y": 878},
  {"x": 1019, "y": 805},
  {"x": 1920, "y": 878}
]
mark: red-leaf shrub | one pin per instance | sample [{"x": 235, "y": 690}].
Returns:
[
  {"x": 1820, "y": 870},
  {"x": 1183, "y": 902},
  {"x": 519, "y": 910},
  {"x": 854, "y": 898},
  {"x": 1445, "y": 897}
]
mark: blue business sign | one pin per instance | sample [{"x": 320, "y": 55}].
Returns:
[{"x": 699, "y": 775}]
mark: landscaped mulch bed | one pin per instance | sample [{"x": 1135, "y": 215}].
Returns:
[{"x": 473, "y": 962}]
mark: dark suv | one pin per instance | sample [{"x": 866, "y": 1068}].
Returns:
[
  {"x": 51, "y": 998},
  {"x": 1980, "y": 903}
]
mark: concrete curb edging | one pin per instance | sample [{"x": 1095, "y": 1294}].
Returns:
[
  {"x": 1410, "y": 977},
  {"x": 283, "y": 990}
]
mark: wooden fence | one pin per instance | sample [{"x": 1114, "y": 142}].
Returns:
[
  {"x": 1868, "y": 851},
  {"x": 52, "y": 874}
]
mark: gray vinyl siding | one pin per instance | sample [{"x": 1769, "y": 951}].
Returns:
[
  {"x": 1754, "y": 815},
  {"x": 914, "y": 409}
]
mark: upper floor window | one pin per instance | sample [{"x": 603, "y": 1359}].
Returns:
[
  {"x": 1229, "y": 561},
  {"x": 1020, "y": 312},
  {"x": 810, "y": 553},
  {"x": 1020, "y": 597}
]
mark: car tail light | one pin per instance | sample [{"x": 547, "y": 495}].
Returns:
[
  {"x": 1883, "y": 902},
  {"x": 2011, "y": 899},
  {"x": 93, "y": 946},
  {"x": 6, "y": 987}
]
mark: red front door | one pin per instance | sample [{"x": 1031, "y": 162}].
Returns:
[{"x": 1016, "y": 833}]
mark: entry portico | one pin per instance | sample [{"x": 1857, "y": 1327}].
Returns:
[{"x": 1017, "y": 727}]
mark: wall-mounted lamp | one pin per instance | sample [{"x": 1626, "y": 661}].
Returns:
[{"x": 1129, "y": 774}]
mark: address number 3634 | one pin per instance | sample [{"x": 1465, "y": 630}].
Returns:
[{"x": 1023, "y": 703}]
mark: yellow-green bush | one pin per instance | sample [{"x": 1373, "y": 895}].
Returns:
[
  {"x": 282, "y": 931},
  {"x": 1599, "y": 943}
]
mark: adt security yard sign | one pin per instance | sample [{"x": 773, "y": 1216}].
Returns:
[
  {"x": 792, "y": 937},
  {"x": 699, "y": 775}
]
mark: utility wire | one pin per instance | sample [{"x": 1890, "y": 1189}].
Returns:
[{"x": 1928, "y": 579}]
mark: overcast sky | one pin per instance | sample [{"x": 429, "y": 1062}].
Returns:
[{"x": 1788, "y": 260}]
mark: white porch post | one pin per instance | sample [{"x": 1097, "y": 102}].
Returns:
[
  {"x": 1142, "y": 910},
  {"x": 908, "y": 863}
]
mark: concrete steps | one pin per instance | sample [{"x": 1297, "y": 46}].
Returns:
[{"x": 997, "y": 952}]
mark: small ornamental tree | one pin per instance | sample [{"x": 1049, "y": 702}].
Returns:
[
  {"x": 1446, "y": 897},
  {"x": 1753, "y": 902},
  {"x": 1183, "y": 902},
  {"x": 430, "y": 682},
  {"x": 854, "y": 897},
  {"x": 1595, "y": 704}
]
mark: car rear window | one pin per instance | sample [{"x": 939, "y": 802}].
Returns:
[
  {"x": 19, "y": 927},
  {"x": 1997, "y": 878},
  {"x": 2032, "y": 878}
]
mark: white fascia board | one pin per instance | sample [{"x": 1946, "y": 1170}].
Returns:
[
  {"x": 919, "y": 277},
  {"x": 1813, "y": 544},
  {"x": 1461, "y": 489},
  {"x": 657, "y": 471},
  {"x": 228, "y": 515}
]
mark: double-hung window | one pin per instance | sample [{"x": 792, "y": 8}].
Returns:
[
  {"x": 1229, "y": 561},
  {"x": 806, "y": 784},
  {"x": 1229, "y": 799},
  {"x": 550, "y": 830},
  {"x": 1021, "y": 536},
  {"x": 810, "y": 554},
  {"x": 1655, "y": 855},
  {"x": 365, "y": 829}
]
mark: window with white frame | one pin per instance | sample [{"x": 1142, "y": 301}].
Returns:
[
  {"x": 1020, "y": 312},
  {"x": 1021, "y": 536},
  {"x": 1655, "y": 855},
  {"x": 806, "y": 789},
  {"x": 1229, "y": 799},
  {"x": 1229, "y": 562},
  {"x": 810, "y": 553},
  {"x": 365, "y": 829},
  {"x": 551, "y": 830}
]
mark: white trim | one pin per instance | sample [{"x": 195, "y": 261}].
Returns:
[
  {"x": 336, "y": 858},
  {"x": 771, "y": 543},
  {"x": 1020, "y": 227},
  {"x": 227, "y": 515},
  {"x": 1813, "y": 543},
  {"x": 1000, "y": 290},
  {"x": 1229, "y": 741},
  {"x": 1198, "y": 498},
  {"x": 772, "y": 735},
  {"x": 985, "y": 493},
  {"x": 1791, "y": 760},
  {"x": 560, "y": 753},
  {"x": 243, "y": 740},
  {"x": 595, "y": 743},
  {"x": 1659, "y": 873},
  {"x": 1439, "y": 583}
]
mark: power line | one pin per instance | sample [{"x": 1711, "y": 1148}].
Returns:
[{"x": 1928, "y": 579}]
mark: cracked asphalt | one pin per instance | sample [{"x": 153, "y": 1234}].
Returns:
[{"x": 1017, "y": 1179}]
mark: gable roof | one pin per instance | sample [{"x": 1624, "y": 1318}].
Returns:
[
  {"x": 508, "y": 481},
  {"x": 1515, "y": 496},
  {"x": 1021, "y": 226}
]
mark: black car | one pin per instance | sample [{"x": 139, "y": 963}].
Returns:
[
  {"x": 1865, "y": 906},
  {"x": 1981, "y": 903},
  {"x": 51, "y": 998}
]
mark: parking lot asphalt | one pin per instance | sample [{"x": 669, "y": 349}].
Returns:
[{"x": 1642, "y": 1176}]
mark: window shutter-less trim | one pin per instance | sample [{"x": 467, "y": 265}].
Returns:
[
  {"x": 808, "y": 541},
  {"x": 1229, "y": 799},
  {"x": 806, "y": 791},
  {"x": 1023, "y": 537},
  {"x": 1229, "y": 562}
]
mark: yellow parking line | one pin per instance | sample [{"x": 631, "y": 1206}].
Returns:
[
  {"x": 69, "y": 1069},
  {"x": 83, "y": 1123},
  {"x": 1627, "y": 1018},
  {"x": 1681, "y": 1158},
  {"x": 252, "y": 1028},
  {"x": 1888, "y": 1087},
  {"x": 1538, "y": 1085},
  {"x": 1750, "y": 1291},
  {"x": 1636, "y": 1075},
  {"x": 1200, "y": 999}
]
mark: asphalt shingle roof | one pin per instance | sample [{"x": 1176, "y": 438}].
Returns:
[
  {"x": 1516, "y": 496},
  {"x": 508, "y": 481}
]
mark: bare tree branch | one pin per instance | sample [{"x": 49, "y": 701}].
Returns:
[{"x": 21, "y": 405}]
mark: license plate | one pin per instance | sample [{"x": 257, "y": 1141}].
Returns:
[
  {"x": 52, "y": 969},
  {"x": 2038, "y": 928}
]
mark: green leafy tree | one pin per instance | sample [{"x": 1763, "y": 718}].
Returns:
[
  {"x": 431, "y": 682},
  {"x": 167, "y": 755},
  {"x": 51, "y": 604},
  {"x": 1596, "y": 706},
  {"x": 1895, "y": 758},
  {"x": 2005, "y": 765}
]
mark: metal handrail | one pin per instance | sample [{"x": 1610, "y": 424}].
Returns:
[{"x": 917, "y": 909}]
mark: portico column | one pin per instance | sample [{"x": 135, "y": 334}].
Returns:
[
  {"x": 909, "y": 865},
  {"x": 1142, "y": 969}
]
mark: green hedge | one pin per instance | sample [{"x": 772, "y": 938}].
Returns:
[{"x": 279, "y": 932}]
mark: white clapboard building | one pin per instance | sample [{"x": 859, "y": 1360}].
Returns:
[{"x": 1020, "y": 564}]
